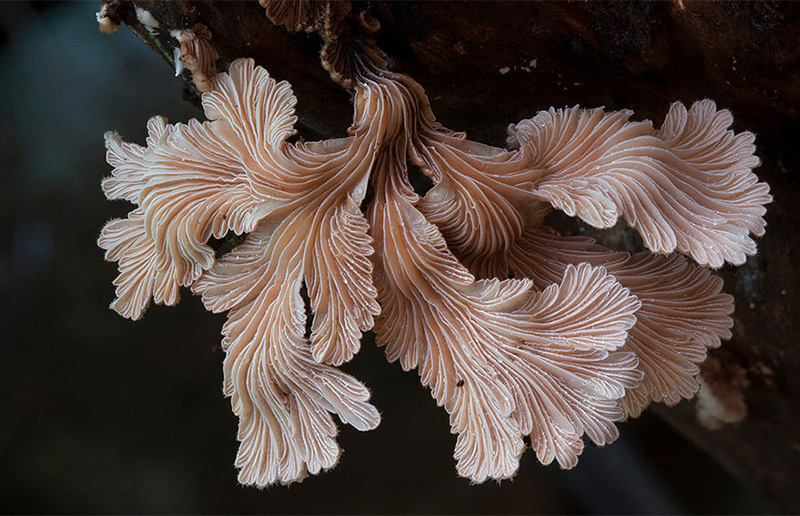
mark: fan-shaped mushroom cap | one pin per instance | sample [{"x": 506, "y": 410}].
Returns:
[
  {"x": 504, "y": 361},
  {"x": 684, "y": 311},
  {"x": 687, "y": 187},
  {"x": 283, "y": 396},
  {"x": 196, "y": 53},
  {"x": 300, "y": 205}
]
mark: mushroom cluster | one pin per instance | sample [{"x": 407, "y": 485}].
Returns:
[{"x": 517, "y": 330}]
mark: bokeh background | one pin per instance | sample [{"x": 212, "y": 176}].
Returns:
[{"x": 103, "y": 415}]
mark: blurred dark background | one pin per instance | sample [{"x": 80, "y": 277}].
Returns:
[{"x": 103, "y": 415}]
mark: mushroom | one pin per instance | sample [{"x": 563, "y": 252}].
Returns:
[
  {"x": 579, "y": 339},
  {"x": 305, "y": 15},
  {"x": 688, "y": 186},
  {"x": 237, "y": 173},
  {"x": 147, "y": 19},
  {"x": 196, "y": 54},
  {"x": 721, "y": 397},
  {"x": 104, "y": 21}
]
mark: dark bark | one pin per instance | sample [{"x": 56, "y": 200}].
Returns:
[{"x": 485, "y": 65}]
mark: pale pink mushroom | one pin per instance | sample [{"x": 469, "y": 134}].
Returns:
[
  {"x": 504, "y": 360},
  {"x": 237, "y": 173},
  {"x": 596, "y": 165},
  {"x": 687, "y": 187},
  {"x": 579, "y": 339},
  {"x": 196, "y": 53}
]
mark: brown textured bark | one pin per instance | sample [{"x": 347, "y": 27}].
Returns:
[{"x": 485, "y": 65}]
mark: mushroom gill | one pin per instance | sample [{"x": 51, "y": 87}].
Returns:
[
  {"x": 299, "y": 204},
  {"x": 581, "y": 337}
]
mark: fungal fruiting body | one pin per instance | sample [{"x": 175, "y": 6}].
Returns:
[
  {"x": 517, "y": 330},
  {"x": 720, "y": 399}
]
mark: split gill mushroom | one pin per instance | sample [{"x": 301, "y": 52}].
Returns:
[{"x": 578, "y": 339}]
